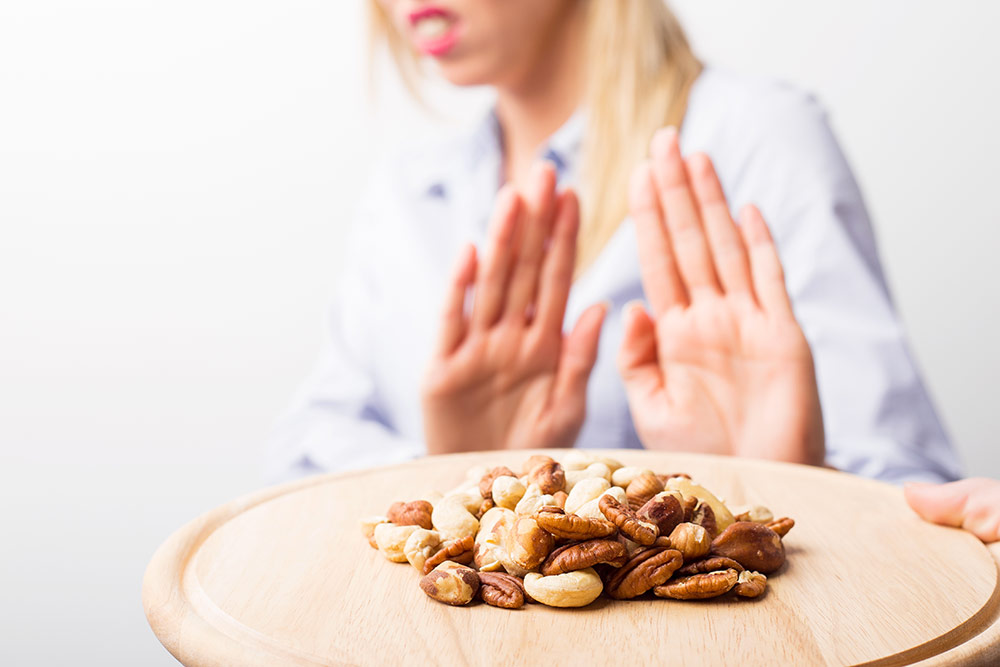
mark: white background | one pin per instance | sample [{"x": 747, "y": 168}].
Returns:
[{"x": 175, "y": 182}]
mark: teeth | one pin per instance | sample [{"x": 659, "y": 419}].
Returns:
[{"x": 431, "y": 27}]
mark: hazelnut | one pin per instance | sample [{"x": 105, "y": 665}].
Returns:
[
  {"x": 663, "y": 510},
  {"x": 752, "y": 545}
]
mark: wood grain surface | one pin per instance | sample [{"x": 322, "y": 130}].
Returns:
[{"x": 284, "y": 577}]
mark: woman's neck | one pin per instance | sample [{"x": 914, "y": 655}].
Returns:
[{"x": 537, "y": 104}]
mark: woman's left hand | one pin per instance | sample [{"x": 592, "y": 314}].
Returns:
[{"x": 721, "y": 366}]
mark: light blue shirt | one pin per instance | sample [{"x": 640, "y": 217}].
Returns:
[{"x": 771, "y": 146}]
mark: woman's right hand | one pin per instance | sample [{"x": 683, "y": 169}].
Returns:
[
  {"x": 972, "y": 504},
  {"x": 504, "y": 375}
]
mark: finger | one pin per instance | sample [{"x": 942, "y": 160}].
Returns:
[
  {"x": 765, "y": 266},
  {"x": 453, "y": 321},
  {"x": 972, "y": 504},
  {"x": 938, "y": 503},
  {"x": 557, "y": 267},
  {"x": 494, "y": 274},
  {"x": 539, "y": 203},
  {"x": 638, "y": 363},
  {"x": 728, "y": 252},
  {"x": 658, "y": 268},
  {"x": 687, "y": 237},
  {"x": 579, "y": 354}
]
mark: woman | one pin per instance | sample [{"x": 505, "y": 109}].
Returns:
[{"x": 584, "y": 85}]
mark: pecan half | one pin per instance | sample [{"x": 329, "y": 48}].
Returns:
[
  {"x": 750, "y": 584},
  {"x": 583, "y": 555},
  {"x": 486, "y": 483},
  {"x": 458, "y": 551},
  {"x": 781, "y": 526},
  {"x": 415, "y": 513},
  {"x": 752, "y": 545},
  {"x": 625, "y": 518},
  {"x": 712, "y": 564},
  {"x": 573, "y": 527},
  {"x": 664, "y": 511},
  {"x": 550, "y": 477},
  {"x": 485, "y": 507},
  {"x": 699, "y": 586},
  {"x": 499, "y": 589},
  {"x": 646, "y": 569},
  {"x": 641, "y": 489}
]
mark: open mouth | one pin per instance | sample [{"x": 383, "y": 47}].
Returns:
[{"x": 434, "y": 30}]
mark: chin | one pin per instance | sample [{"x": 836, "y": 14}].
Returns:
[{"x": 465, "y": 74}]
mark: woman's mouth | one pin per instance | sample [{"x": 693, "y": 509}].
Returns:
[{"x": 435, "y": 31}]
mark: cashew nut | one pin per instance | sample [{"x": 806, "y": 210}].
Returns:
[
  {"x": 624, "y": 476},
  {"x": 391, "y": 540},
  {"x": 578, "y": 459},
  {"x": 571, "y": 589},
  {"x": 584, "y": 491},
  {"x": 453, "y": 519},
  {"x": 368, "y": 524},
  {"x": 421, "y": 545},
  {"x": 508, "y": 491},
  {"x": 592, "y": 508},
  {"x": 532, "y": 500},
  {"x": 489, "y": 539},
  {"x": 573, "y": 477}
]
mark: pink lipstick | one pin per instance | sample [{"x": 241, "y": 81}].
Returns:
[{"x": 434, "y": 30}]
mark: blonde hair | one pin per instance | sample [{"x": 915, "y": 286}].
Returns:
[{"x": 639, "y": 71}]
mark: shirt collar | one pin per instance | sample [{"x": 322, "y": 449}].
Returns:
[{"x": 484, "y": 152}]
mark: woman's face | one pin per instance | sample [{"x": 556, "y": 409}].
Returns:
[{"x": 481, "y": 42}]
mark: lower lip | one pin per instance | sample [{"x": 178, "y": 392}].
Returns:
[{"x": 439, "y": 46}]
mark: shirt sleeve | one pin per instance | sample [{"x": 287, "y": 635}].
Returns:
[
  {"x": 336, "y": 420},
  {"x": 879, "y": 420}
]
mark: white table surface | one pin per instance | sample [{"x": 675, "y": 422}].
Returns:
[{"x": 75, "y": 543}]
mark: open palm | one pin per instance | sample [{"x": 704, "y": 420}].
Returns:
[
  {"x": 721, "y": 366},
  {"x": 505, "y": 375}
]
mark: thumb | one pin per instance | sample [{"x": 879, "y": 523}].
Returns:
[
  {"x": 938, "y": 503},
  {"x": 638, "y": 362},
  {"x": 579, "y": 353}
]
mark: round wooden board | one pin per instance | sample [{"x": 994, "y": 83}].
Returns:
[{"x": 284, "y": 577}]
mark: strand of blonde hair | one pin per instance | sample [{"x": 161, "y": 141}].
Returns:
[{"x": 639, "y": 70}]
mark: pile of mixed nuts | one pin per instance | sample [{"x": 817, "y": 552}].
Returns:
[{"x": 563, "y": 533}]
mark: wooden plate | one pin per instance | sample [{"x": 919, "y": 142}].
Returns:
[{"x": 284, "y": 577}]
